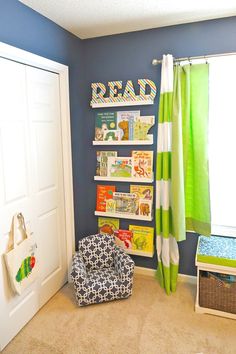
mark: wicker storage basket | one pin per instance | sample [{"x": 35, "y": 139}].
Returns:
[{"x": 217, "y": 294}]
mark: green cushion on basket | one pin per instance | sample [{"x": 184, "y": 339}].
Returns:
[{"x": 217, "y": 250}]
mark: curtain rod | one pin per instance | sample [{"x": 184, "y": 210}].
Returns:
[{"x": 159, "y": 61}]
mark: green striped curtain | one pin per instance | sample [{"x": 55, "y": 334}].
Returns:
[
  {"x": 167, "y": 248},
  {"x": 182, "y": 180}
]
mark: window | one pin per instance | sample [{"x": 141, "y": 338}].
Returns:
[{"x": 222, "y": 144}]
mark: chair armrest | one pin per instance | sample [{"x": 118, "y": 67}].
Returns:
[
  {"x": 78, "y": 270},
  {"x": 124, "y": 265}
]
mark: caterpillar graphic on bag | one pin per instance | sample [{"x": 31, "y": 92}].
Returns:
[
  {"x": 21, "y": 258},
  {"x": 26, "y": 268}
]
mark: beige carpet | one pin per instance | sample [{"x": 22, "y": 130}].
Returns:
[{"x": 149, "y": 322}]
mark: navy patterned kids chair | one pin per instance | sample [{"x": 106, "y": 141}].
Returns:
[{"x": 101, "y": 271}]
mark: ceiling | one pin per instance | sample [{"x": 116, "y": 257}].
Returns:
[{"x": 95, "y": 18}]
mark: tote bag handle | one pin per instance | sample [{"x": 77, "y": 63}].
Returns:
[{"x": 18, "y": 223}]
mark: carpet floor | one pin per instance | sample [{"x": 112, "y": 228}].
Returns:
[{"x": 149, "y": 322}]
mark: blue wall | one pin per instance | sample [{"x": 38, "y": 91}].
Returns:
[
  {"x": 119, "y": 57},
  {"x": 128, "y": 56}
]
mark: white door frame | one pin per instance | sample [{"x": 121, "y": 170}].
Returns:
[{"x": 24, "y": 57}]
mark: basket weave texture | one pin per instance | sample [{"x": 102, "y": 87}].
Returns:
[{"x": 216, "y": 294}]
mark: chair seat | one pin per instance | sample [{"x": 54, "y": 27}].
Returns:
[{"x": 100, "y": 276}]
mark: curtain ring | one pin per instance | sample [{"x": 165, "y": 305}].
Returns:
[
  {"x": 205, "y": 59},
  {"x": 189, "y": 61}
]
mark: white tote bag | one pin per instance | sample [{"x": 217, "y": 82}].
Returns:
[{"x": 21, "y": 258}]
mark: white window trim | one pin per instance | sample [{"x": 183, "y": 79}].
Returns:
[{"x": 220, "y": 230}]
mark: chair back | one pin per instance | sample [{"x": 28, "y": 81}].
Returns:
[{"x": 97, "y": 251}]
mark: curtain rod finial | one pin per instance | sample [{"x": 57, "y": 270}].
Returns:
[{"x": 155, "y": 62}]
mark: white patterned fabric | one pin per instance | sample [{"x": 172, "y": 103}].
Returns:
[{"x": 101, "y": 271}]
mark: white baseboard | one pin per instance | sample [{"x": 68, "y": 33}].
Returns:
[{"x": 151, "y": 273}]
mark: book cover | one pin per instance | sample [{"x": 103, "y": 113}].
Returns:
[
  {"x": 101, "y": 166},
  {"x": 142, "y": 193},
  {"x": 108, "y": 225},
  {"x": 144, "y": 207},
  {"x": 111, "y": 135},
  {"x": 104, "y": 193},
  {"x": 125, "y": 202},
  {"x": 125, "y": 122},
  {"x": 142, "y": 164},
  {"x": 123, "y": 238},
  {"x": 98, "y": 162},
  {"x": 120, "y": 167},
  {"x": 110, "y": 206},
  {"x": 141, "y": 126},
  {"x": 143, "y": 238},
  {"x": 104, "y": 121}
]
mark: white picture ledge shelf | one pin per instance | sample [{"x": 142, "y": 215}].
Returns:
[
  {"x": 120, "y": 104},
  {"x": 139, "y": 253},
  {"x": 125, "y": 142},
  {"x": 123, "y": 179},
  {"x": 123, "y": 216}
]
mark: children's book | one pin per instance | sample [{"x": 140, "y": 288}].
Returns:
[
  {"x": 110, "y": 206},
  {"x": 104, "y": 121},
  {"x": 125, "y": 202},
  {"x": 125, "y": 123},
  {"x": 123, "y": 238},
  {"x": 142, "y": 193},
  {"x": 103, "y": 194},
  {"x": 141, "y": 127},
  {"x": 145, "y": 207},
  {"x": 143, "y": 238},
  {"x": 102, "y": 156},
  {"x": 120, "y": 167},
  {"x": 98, "y": 163},
  {"x": 108, "y": 225},
  {"x": 111, "y": 135},
  {"x": 142, "y": 164}
]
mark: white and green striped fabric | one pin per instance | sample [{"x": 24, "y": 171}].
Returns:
[
  {"x": 167, "y": 248},
  {"x": 182, "y": 179}
]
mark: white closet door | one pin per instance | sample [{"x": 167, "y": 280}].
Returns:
[
  {"x": 47, "y": 179},
  {"x": 31, "y": 181}
]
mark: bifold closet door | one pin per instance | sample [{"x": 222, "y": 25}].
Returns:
[{"x": 31, "y": 182}]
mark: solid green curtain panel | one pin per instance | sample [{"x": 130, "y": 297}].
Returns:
[
  {"x": 182, "y": 180},
  {"x": 190, "y": 176},
  {"x": 195, "y": 96}
]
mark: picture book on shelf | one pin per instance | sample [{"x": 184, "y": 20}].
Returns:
[
  {"x": 108, "y": 225},
  {"x": 120, "y": 167},
  {"x": 142, "y": 164},
  {"x": 104, "y": 192},
  {"x": 105, "y": 121},
  {"x": 143, "y": 238},
  {"x": 110, "y": 206},
  {"x": 145, "y": 207},
  {"x": 125, "y": 202},
  {"x": 141, "y": 127},
  {"x": 123, "y": 238},
  {"x": 125, "y": 123},
  {"x": 143, "y": 193},
  {"x": 111, "y": 135},
  {"x": 102, "y": 159}
]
